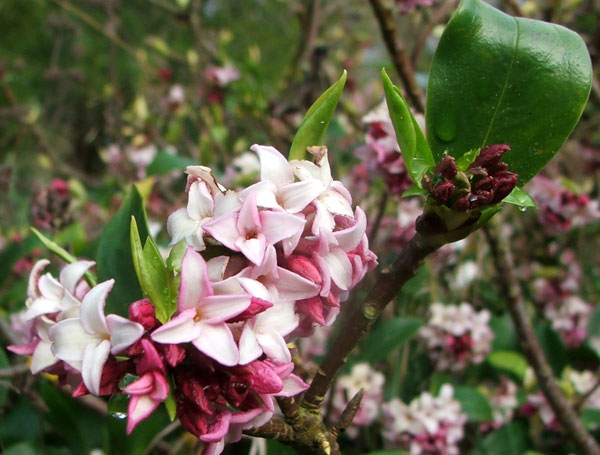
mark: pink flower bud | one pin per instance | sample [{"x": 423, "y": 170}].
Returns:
[
  {"x": 490, "y": 155},
  {"x": 305, "y": 267},
  {"x": 447, "y": 168},
  {"x": 142, "y": 312},
  {"x": 442, "y": 192}
]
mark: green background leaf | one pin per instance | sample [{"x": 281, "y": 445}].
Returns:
[
  {"x": 317, "y": 118},
  {"x": 387, "y": 337},
  {"x": 496, "y": 79},
  {"x": 474, "y": 404},
  {"x": 509, "y": 361},
  {"x": 114, "y": 260}
]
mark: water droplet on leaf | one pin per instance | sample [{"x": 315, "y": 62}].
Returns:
[{"x": 445, "y": 128}]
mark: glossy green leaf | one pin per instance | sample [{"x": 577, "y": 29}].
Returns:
[
  {"x": 414, "y": 190},
  {"x": 474, "y": 404},
  {"x": 510, "y": 362},
  {"x": 317, "y": 118},
  {"x": 416, "y": 153},
  {"x": 387, "y": 337},
  {"x": 152, "y": 273},
  {"x": 511, "y": 439},
  {"x": 114, "y": 259},
  {"x": 519, "y": 198},
  {"x": 496, "y": 79},
  {"x": 62, "y": 253}
]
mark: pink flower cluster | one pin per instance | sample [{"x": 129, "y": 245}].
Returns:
[
  {"x": 364, "y": 377},
  {"x": 428, "y": 425},
  {"x": 282, "y": 255},
  {"x": 456, "y": 335},
  {"x": 49, "y": 207},
  {"x": 560, "y": 209},
  {"x": 381, "y": 155},
  {"x": 504, "y": 402},
  {"x": 568, "y": 313}
]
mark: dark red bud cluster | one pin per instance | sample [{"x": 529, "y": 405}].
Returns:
[{"x": 486, "y": 182}]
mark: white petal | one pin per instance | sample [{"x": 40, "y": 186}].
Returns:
[
  {"x": 180, "y": 329},
  {"x": 336, "y": 203},
  {"x": 274, "y": 345},
  {"x": 348, "y": 239},
  {"x": 277, "y": 226},
  {"x": 94, "y": 359},
  {"x": 249, "y": 348},
  {"x": 181, "y": 226},
  {"x": 292, "y": 385},
  {"x": 265, "y": 193},
  {"x": 92, "y": 308},
  {"x": 255, "y": 288},
  {"x": 41, "y": 306},
  {"x": 123, "y": 332},
  {"x": 215, "y": 267},
  {"x": 200, "y": 202},
  {"x": 34, "y": 277},
  {"x": 70, "y": 340},
  {"x": 219, "y": 308},
  {"x": 216, "y": 341},
  {"x": 305, "y": 170},
  {"x": 50, "y": 288},
  {"x": 340, "y": 268},
  {"x": 72, "y": 273},
  {"x": 42, "y": 357},
  {"x": 253, "y": 249},
  {"x": 296, "y": 196},
  {"x": 280, "y": 317},
  {"x": 273, "y": 165},
  {"x": 292, "y": 286}
]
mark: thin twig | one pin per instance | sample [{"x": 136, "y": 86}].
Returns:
[
  {"x": 515, "y": 304},
  {"x": 388, "y": 284},
  {"x": 387, "y": 25},
  {"x": 380, "y": 212}
]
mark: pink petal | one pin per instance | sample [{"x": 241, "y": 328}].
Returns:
[
  {"x": 253, "y": 248},
  {"x": 292, "y": 385},
  {"x": 254, "y": 288},
  {"x": 248, "y": 220},
  {"x": 219, "y": 429},
  {"x": 292, "y": 286},
  {"x": 224, "y": 229},
  {"x": 278, "y": 226},
  {"x": 216, "y": 341},
  {"x": 123, "y": 332},
  {"x": 180, "y": 329},
  {"x": 150, "y": 359},
  {"x": 349, "y": 238},
  {"x": 140, "y": 407},
  {"x": 34, "y": 278},
  {"x": 142, "y": 386},
  {"x": 273, "y": 165},
  {"x": 219, "y": 308},
  {"x": 93, "y": 362},
  {"x": 194, "y": 280},
  {"x": 296, "y": 196},
  {"x": 92, "y": 308},
  {"x": 265, "y": 194}
]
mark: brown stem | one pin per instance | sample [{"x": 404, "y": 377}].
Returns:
[
  {"x": 387, "y": 25},
  {"x": 426, "y": 31},
  {"x": 388, "y": 284},
  {"x": 379, "y": 217},
  {"x": 515, "y": 304}
]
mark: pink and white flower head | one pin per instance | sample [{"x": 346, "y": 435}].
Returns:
[
  {"x": 504, "y": 402},
  {"x": 362, "y": 376},
  {"x": 85, "y": 342},
  {"x": 456, "y": 335},
  {"x": 222, "y": 75},
  {"x": 560, "y": 209},
  {"x": 427, "y": 425}
]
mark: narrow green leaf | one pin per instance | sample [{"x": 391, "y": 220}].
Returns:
[
  {"x": 170, "y": 404},
  {"x": 509, "y": 361},
  {"x": 4, "y": 363},
  {"x": 416, "y": 153},
  {"x": 152, "y": 273},
  {"x": 317, "y": 118},
  {"x": 387, "y": 337},
  {"x": 519, "y": 198},
  {"x": 62, "y": 253},
  {"x": 114, "y": 258},
  {"x": 464, "y": 161},
  {"x": 474, "y": 404},
  {"x": 496, "y": 79}
]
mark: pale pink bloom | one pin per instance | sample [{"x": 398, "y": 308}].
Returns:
[
  {"x": 222, "y": 75},
  {"x": 202, "y": 314},
  {"x": 141, "y": 157},
  {"x": 85, "y": 342},
  {"x": 362, "y": 376},
  {"x": 250, "y": 231},
  {"x": 186, "y": 223},
  {"x": 149, "y": 390}
]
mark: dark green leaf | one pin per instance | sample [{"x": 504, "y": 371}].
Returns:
[
  {"x": 315, "y": 123},
  {"x": 474, "y": 404},
  {"x": 416, "y": 153},
  {"x": 511, "y": 439},
  {"x": 496, "y": 79},
  {"x": 165, "y": 162},
  {"x": 20, "y": 423},
  {"x": 553, "y": 347},
  {"x": 114, "y": 260},
  {"x": 152, "y": 273},
  {"x": 387, "y": 337},
  {"x": 591, "y": 418},
  {"x": 509, "y": 361},
  {"x": 519, "y": 198},
  {"x": 4, "y": 363}
]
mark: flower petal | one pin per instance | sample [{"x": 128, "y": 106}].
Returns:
[
  {"x": 349, "y": 238},
  {"x": 140, "y": 407},
  {"x": 296, "y": 196},
  {"x": 200, "y": 202},
  {"x": 42, "y": 357},
  {"x": 72, "y": 273},
  {"x": 123, "y": 332},
  {"x": 340, "y": 268},
  {"x": 253, "y": 249},
  {"x": 219, "y": 308},
  {"x": 219, "y": 429},
  {"x": 277, "y": 226},
  {"x": 94, "y": 358},
  {"x": 273, "y": 345},
  {"x": 70, "y": 340},
  {"x": 92, "y": 308},
  {"x": 292, "y": 385},
  {"x": 34, "y": 278},
  {"x": 292, "y": 286},
  {"x": 248, "y": 220},
  {"x": 180, "y": 226},
  {"x": 216, "y": 341},
  {"x": 224, "y": 229},
  {"x": 273, "y": 165},
  {"x": 180, "y": 329},
  {"x": 194, "y": 280},
  {"x": 249, "y": 348}
]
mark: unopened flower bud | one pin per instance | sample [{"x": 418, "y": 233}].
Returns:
[
  {"x": 503, "y": 185},
  {"x": 442, "y": 192},
  {"x": 447, "y": 168},
  {"x": 462, "y": 204},
  {"x": 304, "y": 267},
  {"x": 490, "y": 155},
  {"x": 142, "y": 312}
]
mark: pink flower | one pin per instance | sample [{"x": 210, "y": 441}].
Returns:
[
  {"x": 202, "y": 314},
  {"x": 149, "y": 390}
]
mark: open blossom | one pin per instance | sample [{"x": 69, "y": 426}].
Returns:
[
  {"x": 362, "y": 376},
  {"x": 503, "y": 400},
  {"x": 428, "y": 425},
  {"x": 560, "y": 209},
  {"x": 456, "y": 335}
]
